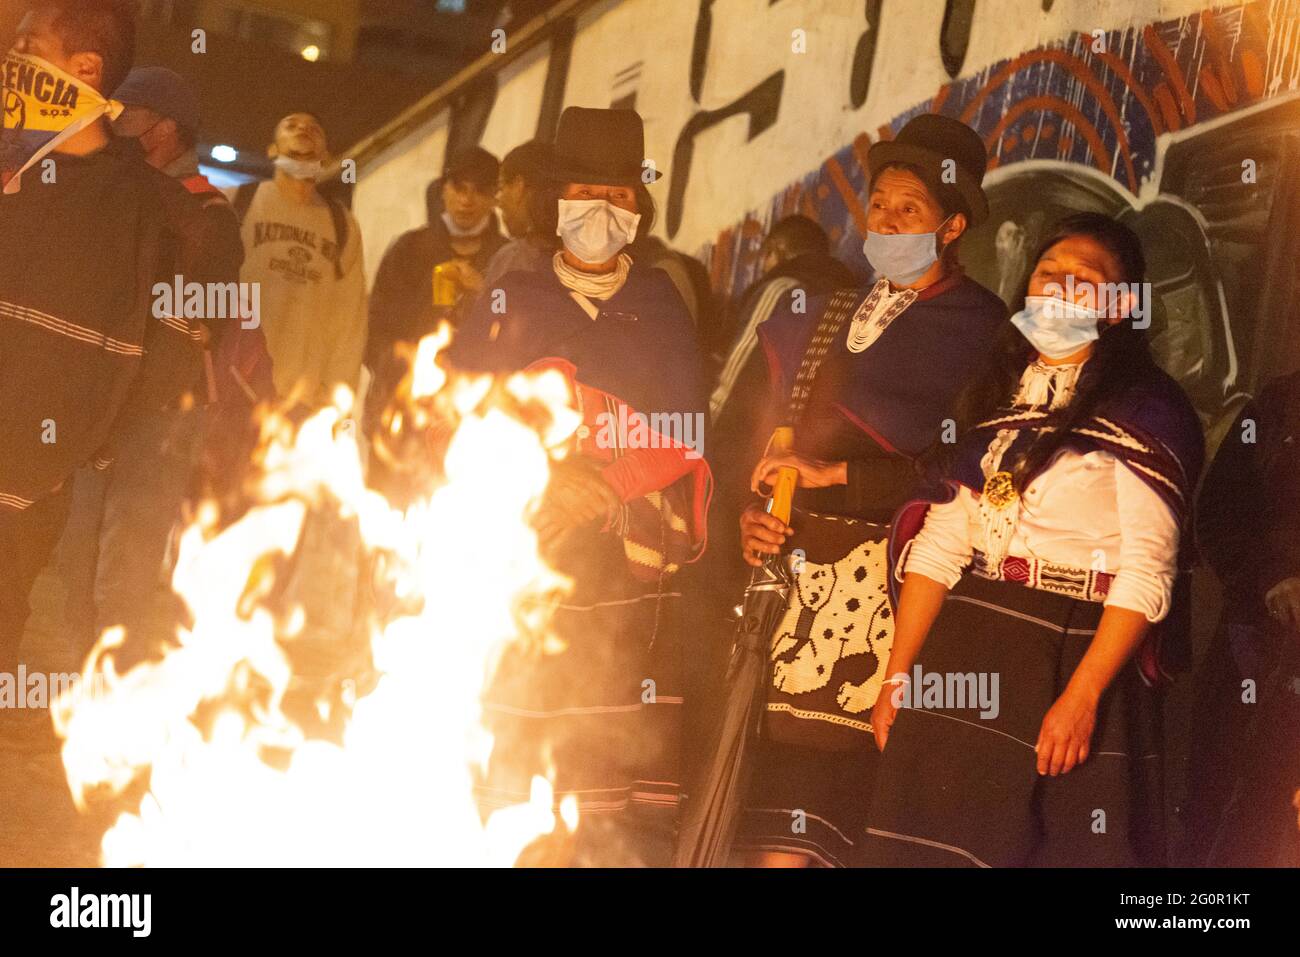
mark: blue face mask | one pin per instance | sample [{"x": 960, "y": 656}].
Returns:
[
  {"x": 902, "y": 258},
  {"x": 1056, "y": 327}
]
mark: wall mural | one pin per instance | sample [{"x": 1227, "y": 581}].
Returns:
[
  {"x": 1075, "y": 126},
  {"x": 1188, "y": 128}
]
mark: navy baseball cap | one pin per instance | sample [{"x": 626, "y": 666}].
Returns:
[{"x": 165, "y": 92}]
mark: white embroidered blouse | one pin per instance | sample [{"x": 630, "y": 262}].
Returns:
[{"x": 1084, "y": 510}]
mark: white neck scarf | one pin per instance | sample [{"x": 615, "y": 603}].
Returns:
[
  {"x": 594, "y": 285},
  {"x": 1047, "y": 385}
]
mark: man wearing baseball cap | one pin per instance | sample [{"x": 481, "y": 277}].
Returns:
[
  {"x": 122, "y": 516},
  {"x": 462, "y": 236}
]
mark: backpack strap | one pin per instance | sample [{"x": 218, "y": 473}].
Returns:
[
  {"x": 339, "y": 216},
  {"x": 839, "y": 307},
  {"x": 244, "y": 199}
]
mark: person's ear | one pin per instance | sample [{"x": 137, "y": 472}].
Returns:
[
  {"x": 88, "y": 67},
  {"x": 956, "y": 226},
  {"x": 166, "y": 127}
]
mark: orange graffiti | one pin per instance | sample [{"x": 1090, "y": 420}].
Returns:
[
  {"x": 1169, "y": 66},
  {"x": 848, "y": 195},
  {"x": 1081, "y": 72},
  {"x": 1121, "y": 70},
  {"x": 1102, "y": 158}
]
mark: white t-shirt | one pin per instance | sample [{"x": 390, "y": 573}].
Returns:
[{"x": 314, "y": 321}]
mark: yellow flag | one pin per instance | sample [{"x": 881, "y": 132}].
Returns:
[{"x": 43, "y": 106}]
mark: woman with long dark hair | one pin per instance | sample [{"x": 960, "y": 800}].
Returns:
[
  {"x": 1022, "y": 728},
  {"x": 622, "y": 512}
]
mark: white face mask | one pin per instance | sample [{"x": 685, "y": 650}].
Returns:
[
  {"x": 1057, "y": 327},
  {"x": 300, "y": 169},
  {"x": 595, "y": 230}
]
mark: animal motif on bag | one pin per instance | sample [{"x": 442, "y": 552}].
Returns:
[{"x": 838, "y": 612}]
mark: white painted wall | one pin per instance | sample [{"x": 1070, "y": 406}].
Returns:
[{"x": 730, "y": 176}]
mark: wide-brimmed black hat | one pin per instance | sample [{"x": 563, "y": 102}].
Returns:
[
  {"x": 927, "y": 141},
  {"x": 606, "y": 147}
]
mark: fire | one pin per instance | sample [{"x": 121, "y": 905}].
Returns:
[{"x": 224, "y": 769}]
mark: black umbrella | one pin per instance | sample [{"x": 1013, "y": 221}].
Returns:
[{"x": 713, "y": 810}]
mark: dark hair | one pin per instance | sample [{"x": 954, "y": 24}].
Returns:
[
  {"x": 946, "y": 195},
  {"x": 473, "y": 165},
  {"x": 1122, "y": 357},
  {"x": 798, "y": 235},
  {"x": 105, "y": 27},
  {"x": 544, "y": 211},
  {"x": 530, "y": 160}
]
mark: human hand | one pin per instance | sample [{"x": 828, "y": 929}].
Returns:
[
  {"x": 761, "y": 534},
  {"x": 1066, "y": 734},
  {"x": 813, "y": 473}
]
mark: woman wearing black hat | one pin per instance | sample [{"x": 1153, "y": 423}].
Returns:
[
  {"x": 619, "y": 517},
  {"x": 869, "y": 379}
]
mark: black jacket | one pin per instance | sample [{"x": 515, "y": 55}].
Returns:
[{"x": 80, "y": 259}]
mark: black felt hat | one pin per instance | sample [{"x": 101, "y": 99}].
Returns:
[
  {"x": 605, "y": 147},
  {"x": 927, "y": 141}
]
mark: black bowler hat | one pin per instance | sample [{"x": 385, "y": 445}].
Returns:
[
  {"x": 927, "y": 141},
  {"x": 603, "y": 147}
]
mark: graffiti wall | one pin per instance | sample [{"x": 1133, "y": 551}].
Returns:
[{"x": 1182, "y": 117}]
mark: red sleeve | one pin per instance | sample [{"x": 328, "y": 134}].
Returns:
[{"x": 646, "y": 470}]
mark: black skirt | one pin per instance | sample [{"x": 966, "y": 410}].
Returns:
[
  {"x": 809, "y": 802},
  {"x": 601, "y": 718},
  {"x": 959, "y": 786},
  {"x": 816, "y": 757}
]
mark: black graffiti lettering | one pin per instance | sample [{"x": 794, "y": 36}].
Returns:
[
  {"x": 700, "y": 48},
  {"x": 557, "y": 76},
  {"x": 864, "y": 55},
  {"x": 762, "y": 103},
  {"x": 954, "y": 34}
]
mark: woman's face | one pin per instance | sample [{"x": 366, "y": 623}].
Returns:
[
  {"x": 624, "y": 197},
  {"x": 1082, "y": 270},
  {"x": 900, "y": 203}
]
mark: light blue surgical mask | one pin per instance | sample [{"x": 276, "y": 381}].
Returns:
[
  {"x": 1057, "y": 327},
  {"x": 902, "y": 258}
]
